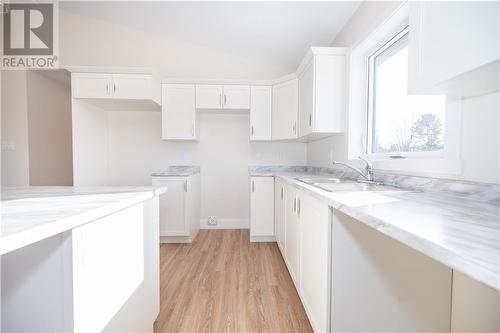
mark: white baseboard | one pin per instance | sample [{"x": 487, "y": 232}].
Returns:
[
  {"x": 175, "y": 239},
  {"x": 225, "y": 224},
  {"x": 256, "y": 239}
]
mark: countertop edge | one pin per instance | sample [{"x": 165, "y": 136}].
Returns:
[{"x": 23, "y": 238}]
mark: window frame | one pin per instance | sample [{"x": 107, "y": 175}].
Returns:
[{"x": 446, "y": 161}]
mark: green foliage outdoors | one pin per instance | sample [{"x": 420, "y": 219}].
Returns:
[{"x": 425, "y": 134}]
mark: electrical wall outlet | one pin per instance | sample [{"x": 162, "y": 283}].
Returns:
[{"x": 212, "y": 220}]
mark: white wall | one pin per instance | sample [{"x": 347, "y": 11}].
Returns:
[
  {"x": 90, "y": 144},
  {"x": 49, "y": 128},
  {"x": 480, "y": 144},
  {"x": 36, "y": 130},
  {"x": 87, "y": 41},
  {"x": 224, "y": 154},
  {"x": 15, "y": 150}
]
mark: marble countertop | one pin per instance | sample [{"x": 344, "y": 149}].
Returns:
[
  {"x": 30, "y": 214},
  {"x": 460, "y": 231},
  {"x": 178, "y": 171}
]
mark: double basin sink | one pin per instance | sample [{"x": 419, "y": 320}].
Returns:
[{"x": 344, "y": 185}]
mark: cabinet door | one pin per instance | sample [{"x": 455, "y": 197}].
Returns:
[
  {"x": 284, "y": 110},
  {"x": 209, "y": 96},
  {"x": 178, "y": 112},
  {"x": 315, "y": 259},
  {"x": 132, "y": 86},
  {"x": 262, "y": 206},
  {"x": 260, "y": 113},
  {"x": 306, "y": 99},
  {"x": 279, "y": 201},
  {"x": 173, "y": 218},
  {"x": 291, "y": 223},
  {"x": 90, "y": 85},
  {"x": 448, "y": 39},
  {"x": 236, "y": 97},
  {"x": 193, "y": 204}
]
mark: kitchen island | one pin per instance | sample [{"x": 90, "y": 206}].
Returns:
[{"x": 80, "y": 259}]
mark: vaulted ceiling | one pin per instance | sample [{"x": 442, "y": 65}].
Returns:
[{"x": 273, "y": 32}]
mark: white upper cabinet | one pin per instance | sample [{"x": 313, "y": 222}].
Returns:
[
  {"x": 284, "y": 110},
  {"x": 322, "y": 92},
  {"x": 209, "y": 96},
  {"x": 454, "y": 47},
  {"x": 236, "y": 97},
  {"x": 260, "y": 113},
  {"x": 113, "y": 92},
  {"x": 222, "y": 97},
  {"x": 135, "y": 86},
  {"x": 179, "y": 119},
  {"x": 90, "y": 85}
]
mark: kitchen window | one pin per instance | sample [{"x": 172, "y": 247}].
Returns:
[
  {"x": 400, "y": 124},
  {"x": 413, "y": 134}
]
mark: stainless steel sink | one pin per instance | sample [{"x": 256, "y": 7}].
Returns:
[
  {"x": 320, "y": 180},
  {"x": 346, "y": 185}
]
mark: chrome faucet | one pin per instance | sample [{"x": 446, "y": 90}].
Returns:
[{"x": 367, "y": 175}]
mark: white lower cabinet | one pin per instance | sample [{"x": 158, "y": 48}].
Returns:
[
  {"x": 304, "y": 228},
  {"x": 179, "y": 208},
  {"x": 291, "y": 227},
  {"x": 279, "y": 209},
  {"x": 315, "y": 260},
  {"x": 262, "y": 209},
  {"x": 352, "y": 278}
]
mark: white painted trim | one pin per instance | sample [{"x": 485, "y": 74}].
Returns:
[
  {"x": 217, "y": 81},
  {"x": 315, "y": 50},
  {"x": 448, "y": 162},
  {"x": 111, "y": 70},
  {"x": 226, "y": 224},
  {"x": 265, "y": 239},
  {"x": 226, "y": 82},
  {"x": 175, "y": 239}
]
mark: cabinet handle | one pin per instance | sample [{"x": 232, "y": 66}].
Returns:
[
  {"x": 310, "y": 120},
  {"x": 114, "y": 88},
  {"x": 253, "y": 186},
  {"x": 225, "y": 99},
  {"x": 107, "y": 89},
  {"x": 282, "y": 193},
  {"x": 251, "y": 130},
  {"x": 185, "y": 186},
  {"x": 295, "y": 205},
  {"x": 298, "y": 207}
]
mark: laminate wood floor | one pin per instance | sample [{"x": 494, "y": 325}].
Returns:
[{"x": 223, "y": 283}]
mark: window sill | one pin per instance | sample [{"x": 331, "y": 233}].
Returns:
[{"x": 427, "y": 166}]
